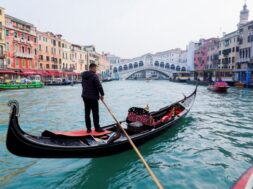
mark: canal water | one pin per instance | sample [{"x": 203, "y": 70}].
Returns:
[{"x": 210, "y": 148}]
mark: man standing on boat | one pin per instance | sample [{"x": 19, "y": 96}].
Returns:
[{"x": 92, "y": 92}]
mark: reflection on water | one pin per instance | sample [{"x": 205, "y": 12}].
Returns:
[{"x": 213, "y": 144}]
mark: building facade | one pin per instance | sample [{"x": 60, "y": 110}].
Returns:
[
  {"x": 78, "y": 58},
  {"x": 244, "y": 65},
  {"x": 49, "y": 51},
  {"x": 2, "y": 37},
  {"x": 21, "y": 44},
  {"x": 204, "y": 58}
]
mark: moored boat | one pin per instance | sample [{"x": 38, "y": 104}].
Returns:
[
  {"x": 24, "y": 83},
  {"x": 239, "y": 84},
  {"x": 219, "y": 86},
  {"x": 80, "y": 144}
]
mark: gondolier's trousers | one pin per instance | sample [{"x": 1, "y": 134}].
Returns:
[{"x": 91, "y": 105}]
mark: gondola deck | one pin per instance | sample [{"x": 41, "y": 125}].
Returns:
[{"x": 81, "y": 145}]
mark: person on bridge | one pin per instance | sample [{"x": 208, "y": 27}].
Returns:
[{"x": 91, "y": 93}]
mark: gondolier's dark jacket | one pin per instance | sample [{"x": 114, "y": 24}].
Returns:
[{"x": 91, "y": 85}]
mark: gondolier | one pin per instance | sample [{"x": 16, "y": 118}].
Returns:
[{"x": 91, "y": 93}]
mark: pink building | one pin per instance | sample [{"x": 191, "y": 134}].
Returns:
[
  {"x": 201, "y": 56},
  {"x": 21, "y": 45}
]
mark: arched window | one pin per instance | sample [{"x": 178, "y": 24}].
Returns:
[
  {"x": 162, "y": 64},
  {"x": 135, "y": 65},
  {"x": 156, "y": 63},
  {"x": 141, "y": 63},
  {"x": 172, "y": 67},
  {"x": 120, "y": 69},
  {"x": 130, "y": 66},
  {"x": 167, "y": 66},
  {"x": 178, "y": 68},
  {"x": 183, "y": 69},
  {"x": 125, "y": 67},
  {"x": 115, "y": 70}
]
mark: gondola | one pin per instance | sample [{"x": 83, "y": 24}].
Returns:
[{"x": 74, "y": 145}]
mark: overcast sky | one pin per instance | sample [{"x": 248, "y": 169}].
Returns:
[{"x": 130, "y": 28}]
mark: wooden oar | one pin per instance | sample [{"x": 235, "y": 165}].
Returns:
[{"x": 135, "y": 149}]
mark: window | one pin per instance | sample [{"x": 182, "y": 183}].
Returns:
[
  {"x": 35, "y": 40},
  {"x": 7, "y": 33},
  {"x": 29, "y": 63},
  {"x": 233, "y": 59},
  {"x": 39, "y": 47},
  {"x": 35, "y": 51},
  {"x": 47, "y": 66},
  {"x": 23, "y": 63},
  {"x": 23, "y": 49},
  {"x": 16, "y": 62},
  {"x": 29, "y": 50},
  {"x": 16, "y": 48},
  {"x": 28, "y": 38},
  {"x": 41, "y": 57},
  {"x": 0, "y": 36},
  {"x": 7, "y": 46},
  {"x": 22, "y": 36},
  {"x": 39, "y": 37},
  {"x": 46, "y": 49},
  {"x": 0, "y": 12},
  {"x": 47, "y": 58}
]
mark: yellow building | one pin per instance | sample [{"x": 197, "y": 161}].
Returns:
[{"x": 2, "y": 38}]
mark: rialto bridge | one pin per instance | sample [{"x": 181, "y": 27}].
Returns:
[{"x": 146, "y": 66}]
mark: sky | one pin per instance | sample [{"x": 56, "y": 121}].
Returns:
[{"x": 130, "y": 28}]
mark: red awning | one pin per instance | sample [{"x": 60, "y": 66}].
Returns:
[
  {"x": 7, "y": 72},
  {"x": 54, "y": 73},
  {"x": 28, "y": 72}
]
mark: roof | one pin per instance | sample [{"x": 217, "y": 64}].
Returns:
[{"x": 18, "y": 20}]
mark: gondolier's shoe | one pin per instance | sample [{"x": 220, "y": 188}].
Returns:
[
  {"x": 99, "y": 130},
  {"x": 88, "y": 130}
]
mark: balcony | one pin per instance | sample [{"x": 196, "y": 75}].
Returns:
[
  {"x": 68, "y": 69},
  {"x": 24, "y": 55},
  {"x": 81, "y": 61},
  {"x": 2, "y": 66},
  {"x": 2, "y": 56},
  {"x": 244, "y": 60}
]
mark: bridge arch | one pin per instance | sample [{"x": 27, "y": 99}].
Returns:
[
  {"x": 157, "y": 69},
  {"x": 162, "y": 64},
  {"x": 120, "y": 69},
  {"x": 125, "y": 67},
  {"x": 167, "y": 66},
  {"x": 178, "y": 68},
  {"x": 130, "y": 66},
  {"x": 172, "y": 67},
  {"x": 135, "y": 65},
  {"x": 115, "y": 70},
  {"x": 141, "y": 64}
]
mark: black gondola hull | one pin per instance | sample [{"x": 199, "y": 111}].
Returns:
[{"x": 25, "y": 145}]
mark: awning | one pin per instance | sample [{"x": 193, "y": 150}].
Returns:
[
  {"x": 27, "y": 72},
  {"x": 54, "y": 73},
  {"x": 8, "y": 72}
]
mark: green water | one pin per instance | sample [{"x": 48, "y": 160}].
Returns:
[{"x": 210, "y": 148}]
